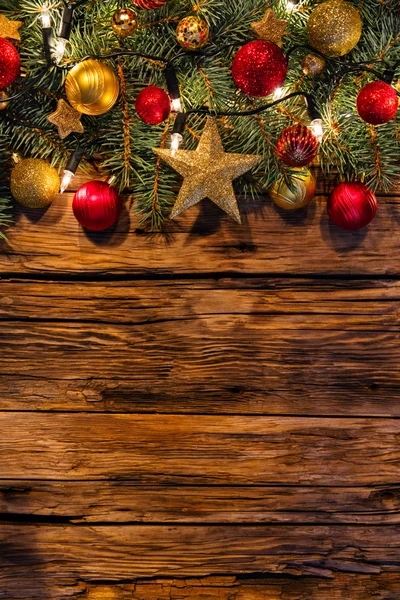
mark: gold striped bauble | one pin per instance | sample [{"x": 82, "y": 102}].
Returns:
[
  {"x": 304, "y": 186},
  {"x": 149, "y": 4},
  {"x": 92, "y": 87}
]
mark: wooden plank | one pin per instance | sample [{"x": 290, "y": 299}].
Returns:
[
  {"x": 203, "y": 241},
  {"x": 251, "y": 346},
  {"x": 200, "y": 449},
  {"x": 339, "y": 586},
  {"x": 121, "y": 553},
  {"x": 128, "y": 502}
]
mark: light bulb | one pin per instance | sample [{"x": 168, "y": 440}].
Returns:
[
  {"x": 176, "y": 105},
  {"x": 279, "y": 93},
  {"x": 291, "y": 5},
  {"x": 60, "y": 49},
  {"x": 66, "y": 180},
  {"x": 46, "y": 23},
  {"x": 317, "y": 129},
  {"x": 176, "y": 139}
]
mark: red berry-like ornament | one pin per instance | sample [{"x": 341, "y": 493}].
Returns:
[
  {"x": 97, "y": 205},
  {"x": 377, "y": 103},
  {"x": 259, "y": 68},
  {"x": 10, "y": 63},
  {"x": 153, "y": 105},
  {"x": 149, "y": 4},
  {"x": 297, "y": 146},
  {"x": 352, "y": 205}
]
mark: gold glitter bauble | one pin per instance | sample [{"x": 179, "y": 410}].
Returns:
[
  {"x": 34, "y": 183},
  {"x": 208, "y": 172},
  {"x": 304, "y": 186},
  {"x": 334, "y": 28},
  {"x": 3, "y": 96},
  {"x": 313, "y": 65},
  {"x": 92, "y": 87},
  {"x": 192, "y": 33},
  {"x": 124, "y": 22}
]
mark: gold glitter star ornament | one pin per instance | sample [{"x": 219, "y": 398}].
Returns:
[
  {"x": 208, "y": 172},
  {"x": 270, "y": 28},
  {"x": 9, "y": 29},
  {"x": 67, "y": 119}
]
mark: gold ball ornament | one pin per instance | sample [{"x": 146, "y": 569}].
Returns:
[
  {"x": 192, "y": 33},
  {"x": 92, "y": 87},
  {"x": 124, "y": 22},
  {"x": 34, "y": 183},
  {"x": 3, "y": 96},
  {"x": 304, "y": 186},
  {"x": 334, "y": 28},
  {"x": 313, "y": 65}
]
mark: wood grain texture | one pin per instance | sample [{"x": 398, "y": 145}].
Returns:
[
  {"x": 251, "y": 346},
  {"x": 127, "y": 502},
  {"x": 200, "y": 449},
  {"x": 269, "y": 241}
]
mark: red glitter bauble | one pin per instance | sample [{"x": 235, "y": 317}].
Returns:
[
  {"x": 297, "y": 146},
  {"x": 96, "y": 205},
  {"x": 149, "y": 4},
  {"x": 259, "y": 68},
  {"x": 153, "y": 105},
  {"x": 352, "y": 205},
  {"x": 377, "y": 103},
  {"x": 10, "y": 63}
]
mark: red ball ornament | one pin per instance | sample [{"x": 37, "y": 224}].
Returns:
[
  {"x": 153, "y": 105},
  {"x": 297, "y": 146},
  {"x": 149, "y": 4},
  {"x": 259, "y": 68},
  {"x": 97, "y": 205},
  {"x": 10, "y": 63},
  {"x": 352, "y": 205},
  {"x": 377, "y": 103}
]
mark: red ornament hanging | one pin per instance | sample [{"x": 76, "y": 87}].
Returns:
[
  {"x": 297, "y": 146},
  {"x": 97, "y": 205},
  {"x": 377, "y": 103},
  {"x": 259, "y": 68},
  {"x": 149, "y": 4},
  {"x": 10, "y": 63},
  {"x": 352, "y": 205},
  {"x": 153, "y": 105}
]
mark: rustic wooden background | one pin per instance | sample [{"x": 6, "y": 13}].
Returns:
[{"x": 210, "y": 414}]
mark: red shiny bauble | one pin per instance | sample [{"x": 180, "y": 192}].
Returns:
[
  {"x": 153, "y": 105},
  {"x": 352, "y": 205},
  {"x": 10, "y": 63},
  {"x": 377, "y": 103},
  {"x": 96, "y": 205},
  {"x": 297, "y": 146},
  {"x": 149, "y": 4},
  {"x": 259, "y": 68}
]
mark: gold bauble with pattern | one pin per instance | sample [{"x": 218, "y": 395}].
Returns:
[
  {"x": 192, "y": 33},
  {"x": 313, "y": 65},
  {"x": 304, "y": 186},
  {"x": 334, "y": 28},
  {"x": 34, "y": 183},
  {"x": 92, "y": 87},
  {"x": 124, "y": 22}
]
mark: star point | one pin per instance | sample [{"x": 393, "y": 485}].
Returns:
[
  {"x": 208, "y": 172},
  {"x": 9, "y": 29},
  {"x": 66, "y": 119},
  {"x": 270, "y": 27}
]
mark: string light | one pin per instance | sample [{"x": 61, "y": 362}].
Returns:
[
  {"x": 64, "y": 32},
  {"x": 316, "y": 127},
  {"x": 47, "y": 34},
  {"x": 46, "y": 23},
  {"x": 70, "y": 168}
]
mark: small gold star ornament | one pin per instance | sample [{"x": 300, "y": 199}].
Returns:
[
  {"x": 270, "y": 28},
  {"x": 67, "y": 119},
  {"x": 9, "y": 29},
  {"x": 208, "y": 172}
]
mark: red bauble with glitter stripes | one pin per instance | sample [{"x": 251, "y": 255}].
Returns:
[
  {"x": 259, "y": 68},
  {"x": 149, "y": 4},
  {"x": 377, "y": 103},
  {"x": 97, "y": 205},
  {"x": 352, "y": 205},
  {"x": 297, "y": 146},
  {"x": 153, "y": 105},
  {"x": 10, "y": 63}
]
